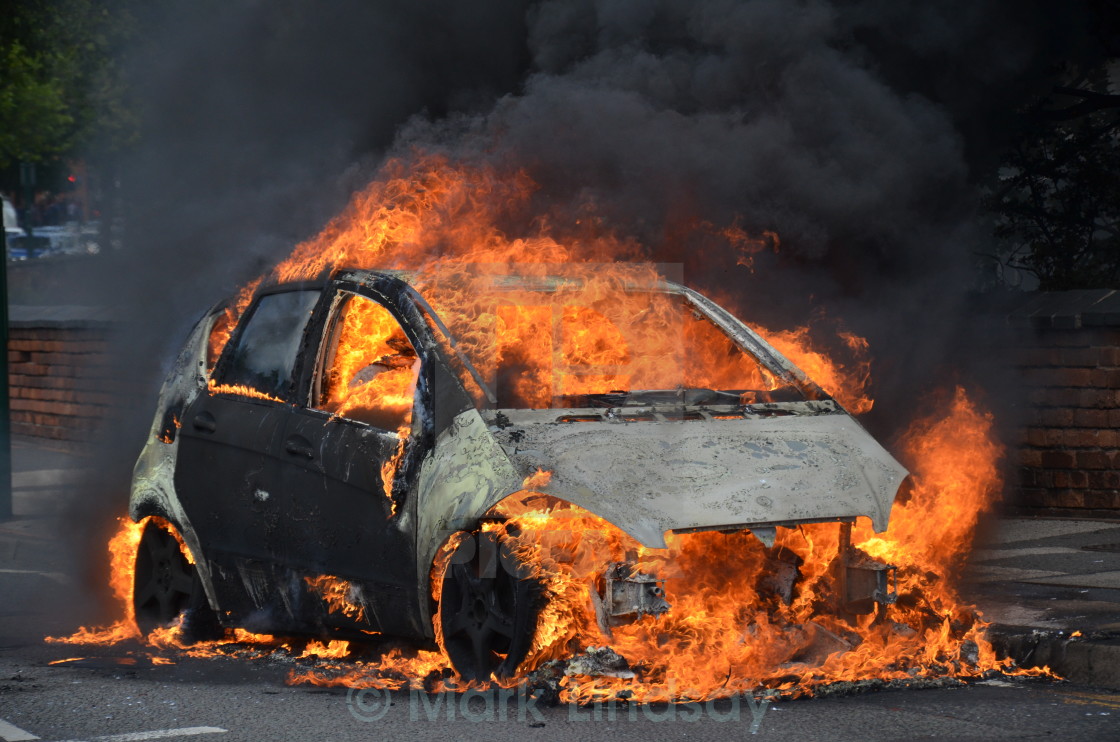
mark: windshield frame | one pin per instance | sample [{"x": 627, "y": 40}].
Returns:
[{"x": 746, "y": 339}]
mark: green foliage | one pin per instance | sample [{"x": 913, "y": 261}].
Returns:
[
  {"x": 60, "y": 87},
  {"x": 35, "y": 123}
]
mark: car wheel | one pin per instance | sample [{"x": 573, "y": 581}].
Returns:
[
  {"x": 166, "y": 586},
  {"x": 488, "y": 609}
]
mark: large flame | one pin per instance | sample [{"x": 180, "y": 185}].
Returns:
[
  {"x": 122, "y": 571},
  {"x": 446, "y": 221},
  {"x": 728, "y": 631}
]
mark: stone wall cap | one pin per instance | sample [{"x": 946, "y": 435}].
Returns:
[
  {"x": 60, "y": 316},
  {"x": 1068, "y": 310}
]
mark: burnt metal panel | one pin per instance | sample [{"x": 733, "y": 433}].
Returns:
[
  {"x": 335, "y": 517},
  {"x": 465, "y": 474},
  {"x": 651, "y": 477},
  {"x": 153, "y": 488},
  {"x": 225, "y": 471}
]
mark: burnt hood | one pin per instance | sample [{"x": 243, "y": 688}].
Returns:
[{"x": 655, "y": 475}]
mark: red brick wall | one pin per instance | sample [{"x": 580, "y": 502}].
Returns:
[
  {"x": 1069, "y": 458},
  {"x": 58, "y": 378}
]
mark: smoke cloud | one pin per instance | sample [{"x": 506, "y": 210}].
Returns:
[{"x": 856, "y": 131}]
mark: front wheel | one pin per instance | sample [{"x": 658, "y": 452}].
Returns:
[{"x": 488, "y": 609}]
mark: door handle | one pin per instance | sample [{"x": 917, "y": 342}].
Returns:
[
  {"x": 297, "y": 445},
  {"x": 205, "y": 422}
]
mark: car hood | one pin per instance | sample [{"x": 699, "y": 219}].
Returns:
[{"x": 654, "y": 476}]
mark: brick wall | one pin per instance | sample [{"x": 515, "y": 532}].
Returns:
[
  {"x": 1069, "y": 359},
  {"x": 59, "y": 378}
]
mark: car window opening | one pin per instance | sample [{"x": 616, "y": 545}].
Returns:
[
  {"x": 262, "y": 363},
  {"x": 371, "y": 368}
]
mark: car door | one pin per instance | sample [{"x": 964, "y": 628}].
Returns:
[
  {"x": 339, "y": 454},
  {"x": 227, "y": 470}
]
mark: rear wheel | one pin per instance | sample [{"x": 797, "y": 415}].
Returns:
[
  {"x": 488, "y": 609},
  {"x": 167, "y": 585}
]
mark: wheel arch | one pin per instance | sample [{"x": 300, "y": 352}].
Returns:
[
  {"x": 153, "y": 491},
  {"x": 145, "y": 504}
]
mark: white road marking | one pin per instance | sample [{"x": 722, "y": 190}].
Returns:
[
  {"x": 12, "y": 733},
  {"x": 157, "y": 734}
]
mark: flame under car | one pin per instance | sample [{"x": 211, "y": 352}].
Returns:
[{"x": 339, "y": 466}]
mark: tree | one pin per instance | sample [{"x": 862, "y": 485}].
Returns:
[
  {"x": 34, "y": 121},
  {"x": 1057, "y": 199},
  {"x": 60, "y": 89},
  {"x": 1058, "y": 205}
]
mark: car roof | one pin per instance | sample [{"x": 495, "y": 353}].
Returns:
[{"x": 504, "y": 281}]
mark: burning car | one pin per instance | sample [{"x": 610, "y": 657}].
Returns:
[{"x": 356, "y": 456}]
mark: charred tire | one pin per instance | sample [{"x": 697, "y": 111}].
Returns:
[
  {"x": 166, "y": 586},
  {"x": 488, "y": 609}
]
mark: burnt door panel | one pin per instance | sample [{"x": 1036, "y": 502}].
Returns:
[
  {"x": 340, "y": 523},
  {"x": 227, "y": 467},
  {"x": 225, "y": 473}
]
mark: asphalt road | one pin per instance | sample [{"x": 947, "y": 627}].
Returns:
[
  {"x": 229, "y": 700},
  {"x": 49, "y": 585}
]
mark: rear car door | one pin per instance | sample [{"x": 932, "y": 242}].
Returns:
[
  {"x": 227, "y": 470},
  {"x": 339, "y": 460}
]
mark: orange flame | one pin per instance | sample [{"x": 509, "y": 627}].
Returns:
[
  {"x": 726, "y": 635},
  {"x": 122, "y": 572},
  {"x": 389, "y": 468},
  {"x": 849, "y": 384},
  {"x": 122, "y": 562},
  {"x": 373, "y": 374},
  {"x": 223, "y": 325},
  {"x": 539, "y": 478},
  {"x": 240, "y": 390},
  {"x": 334, "y": 649},
  {"x": 338, "y": 594}
]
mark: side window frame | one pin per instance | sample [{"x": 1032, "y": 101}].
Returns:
[
  {"x": 324, "y": 327},
  {"x": 440, "y": 394},
  {"x": 221, "y": 370}
]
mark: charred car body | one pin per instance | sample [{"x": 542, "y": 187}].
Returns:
[{"x": 316, "y": 469}]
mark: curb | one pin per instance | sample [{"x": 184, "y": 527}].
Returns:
[{"x": 1091, "y": 659}]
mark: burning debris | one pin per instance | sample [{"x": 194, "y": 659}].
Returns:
[
  {"x": 550, "y": 679},
  {"x": 339, "y": 595}
]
